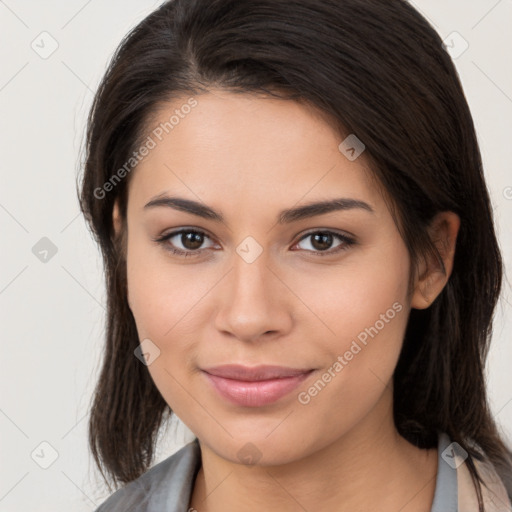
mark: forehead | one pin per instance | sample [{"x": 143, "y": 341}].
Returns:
[{"x": 247, "y": 146}]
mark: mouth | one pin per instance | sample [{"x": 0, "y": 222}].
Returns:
[{"x": 254, "y": 386}]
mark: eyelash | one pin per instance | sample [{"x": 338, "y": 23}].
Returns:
[{"x": 347, "y": 242}]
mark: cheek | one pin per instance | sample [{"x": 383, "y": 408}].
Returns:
[
  {"x": 365, "y": 291},
  {"x": 165, "y": 300},
  {"x": 365, "y": 309},
  {"x": 164, "y": 296}
]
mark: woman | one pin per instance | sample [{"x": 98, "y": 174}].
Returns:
[{"x": 301, "y": 263}]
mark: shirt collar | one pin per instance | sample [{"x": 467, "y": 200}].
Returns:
[
  {"x": 168, "y": 485},
  {"x": 446, "y": 494}
]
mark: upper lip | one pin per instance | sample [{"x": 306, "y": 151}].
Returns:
[{"x": 254, "y": 373}]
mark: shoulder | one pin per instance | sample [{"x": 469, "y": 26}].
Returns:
[
  {"x": 494, "y": 493},
  {"x": 168, "y": 483},
  {"x": 455, "y": 490}
]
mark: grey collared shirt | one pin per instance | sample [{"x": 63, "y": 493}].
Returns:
[{"x": 167, "y": 486}]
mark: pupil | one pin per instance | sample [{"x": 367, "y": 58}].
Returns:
[
  {"x": 191, "y": 240},
  {"x": 322, "y": 241}
]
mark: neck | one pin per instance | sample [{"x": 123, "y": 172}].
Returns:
[{"x": 371, "y": 467}]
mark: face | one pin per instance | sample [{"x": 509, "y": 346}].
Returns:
[{"x": 273, "y": 324}]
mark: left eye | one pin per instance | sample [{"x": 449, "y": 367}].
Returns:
[{"x": 321, "y": 242}]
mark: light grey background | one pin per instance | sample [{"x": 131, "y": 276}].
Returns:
[{"x": 52, "y": 312}]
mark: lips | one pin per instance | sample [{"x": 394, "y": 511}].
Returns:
[
  {"x": 251, "y": 374},
  {"x": 254, "y": 386}
]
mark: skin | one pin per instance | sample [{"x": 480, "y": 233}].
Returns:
[{"x": 249, "y": 157}]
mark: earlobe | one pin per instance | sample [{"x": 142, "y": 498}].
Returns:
[{"x": 433, "y": 277}]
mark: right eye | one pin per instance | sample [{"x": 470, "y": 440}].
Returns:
[{"x": 190, "y": 240}]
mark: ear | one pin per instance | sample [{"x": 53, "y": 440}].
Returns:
[
  {"x": 117, "y": 223},
  {"x": 432, "y": 277},
  {"x": 116, "y": 217}
]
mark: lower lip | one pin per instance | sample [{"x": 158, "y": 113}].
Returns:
[{"x": 255, "y": 393}]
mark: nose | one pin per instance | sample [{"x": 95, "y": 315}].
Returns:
[{"x": 254, "y": 303}]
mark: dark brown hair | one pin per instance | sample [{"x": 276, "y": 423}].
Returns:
[{"x": 381, "y": 72}]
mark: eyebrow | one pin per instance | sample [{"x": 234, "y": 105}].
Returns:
[{"x": 284, "y": 217}]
